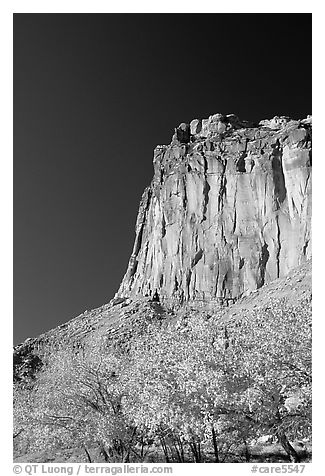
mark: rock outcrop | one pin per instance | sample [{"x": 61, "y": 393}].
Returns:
[{"x": 228, "y": 210}]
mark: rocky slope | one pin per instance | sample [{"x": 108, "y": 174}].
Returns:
[
  {"x": 115, "y": 322},
  {"x": 227, "y": 211}
]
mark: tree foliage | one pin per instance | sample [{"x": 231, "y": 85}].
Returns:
[{"x": 199, "y": 393}]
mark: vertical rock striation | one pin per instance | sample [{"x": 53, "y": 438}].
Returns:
[{"x": 228, "y": 209}]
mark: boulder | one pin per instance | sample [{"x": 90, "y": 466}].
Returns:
[
  {"x": 265, "y": 440},
  {"x": 182, "y": 133}
]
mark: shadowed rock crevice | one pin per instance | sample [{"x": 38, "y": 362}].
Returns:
[
  {"x": 278, "y": 176},
  {"x": 197, "y": 258},
  {"x": 222, "y": 192},
  {"x": 206, "y": 190},
  {"x": 240, "y": 166},
  {"x": 262, "y": 263}
]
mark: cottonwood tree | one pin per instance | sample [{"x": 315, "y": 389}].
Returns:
[
  {"x": 271, "y": 351},
  {"x": 229, "y": 385},
  {"x": 178, "y": 388},
  {"x": 78, "y": 402}
]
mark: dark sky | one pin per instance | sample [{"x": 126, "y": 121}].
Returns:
[{"x": 93, "y": 95}]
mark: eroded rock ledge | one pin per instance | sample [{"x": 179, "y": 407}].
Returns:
[{"x": 228, "y": 210}]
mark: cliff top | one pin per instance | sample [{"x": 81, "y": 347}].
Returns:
[{"x": 222, "y": 125}]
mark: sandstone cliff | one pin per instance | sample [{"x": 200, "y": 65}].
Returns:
[{"x": 228, "y": 210}]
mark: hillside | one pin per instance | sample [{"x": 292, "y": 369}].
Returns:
[
  {"x": 121, "y": 324},
  {"x": 120, "y": 320}
]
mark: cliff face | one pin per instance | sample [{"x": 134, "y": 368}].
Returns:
[{"x": 228, "y": 210}]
